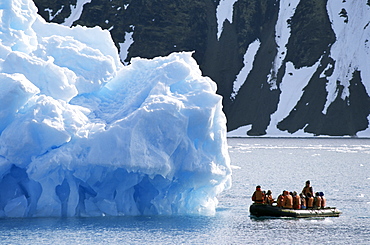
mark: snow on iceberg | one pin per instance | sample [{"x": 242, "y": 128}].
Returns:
[{"x": 83, "y": 135}]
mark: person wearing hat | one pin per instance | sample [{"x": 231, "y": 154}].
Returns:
[
  {"x": 323, "y": 200},
  {"x": 317, "y": 200},
  {"x": 258, "y": 195}
]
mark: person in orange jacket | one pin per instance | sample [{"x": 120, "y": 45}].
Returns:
[
  {"x": 303, "y": 201},
  {"x": 258, "y": 195},
  {"x": 323, "y": 200},
  {"x": 307, "y": 189},
  {"x": 317, "y": 200},
  {"x": 309, "y": 200},
  {"x": 280, "y": 200},
  {"x": 268, "y": 198},
  {"x": 296, "y": 201},
  {"x": 288, "y": 200}
]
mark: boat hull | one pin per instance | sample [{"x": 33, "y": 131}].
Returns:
[{"x": 260, "y": 210}]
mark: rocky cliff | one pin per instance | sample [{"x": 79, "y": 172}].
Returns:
[{"x": 284, "y": 68}]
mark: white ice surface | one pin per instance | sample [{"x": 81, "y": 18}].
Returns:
[
  {"x": 76, "y": 11},
  {"x": 248, "y": 65},
  {"x": 282, "y": 33},
  {"x": 291, "y": 88},
  {"x": 124, "y": 47},
  {"x": 224, "y": 12},
  {"x": 351, "y": 50}
]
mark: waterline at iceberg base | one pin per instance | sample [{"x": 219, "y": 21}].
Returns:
[{"x": 83, "y": 135}]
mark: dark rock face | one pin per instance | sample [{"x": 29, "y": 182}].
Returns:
[
  {"x": 55, "y": 11},
  {"x": 311, "y": 33},
  {"x": 160, "y": 27}
]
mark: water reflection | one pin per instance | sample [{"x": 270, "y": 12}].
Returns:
[{"x": 276, "y": 164}]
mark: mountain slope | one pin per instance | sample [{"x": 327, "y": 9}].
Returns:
[{"x": 284, "y": 68}]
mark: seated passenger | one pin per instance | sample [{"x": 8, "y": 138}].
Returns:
[
  {"x": 268, "y": 198},
  {"x": 309, "y": 200},
  {"x": 296, "y": 201},
  {"x": 323, "y": 200},
  {"x": 258, "y": 195},
  {"x": 303, "y": 201},
  {"x": 288, "y": 200},
  {"x": 317, "y": 200},
  {"x": 280, "y": 200}
]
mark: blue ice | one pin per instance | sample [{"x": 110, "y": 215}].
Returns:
[{"x": 83, "y": 135}]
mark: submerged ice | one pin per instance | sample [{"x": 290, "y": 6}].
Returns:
[{"x": 83, "y": 135}]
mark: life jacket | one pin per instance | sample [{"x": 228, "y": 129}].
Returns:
[
  {"x": 297, "y": 202},
  {"x": 310, "y": 202},
  {"x": 307, "y": 189},
  {"x": 303, "y": 202},
  {"x": 323, "y": 202},
  {"x": 317, "y": 202},
  {"x": 258, "y": 196},
  {"x": 288, "y": 201},
  {"x": 280, "y": 201},
  {"x": 269, "y": 200}
]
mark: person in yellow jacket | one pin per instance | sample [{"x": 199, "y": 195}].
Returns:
[{"x": 258, "y": 195}]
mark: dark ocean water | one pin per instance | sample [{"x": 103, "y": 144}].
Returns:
[{"x": 338, "y": 167}]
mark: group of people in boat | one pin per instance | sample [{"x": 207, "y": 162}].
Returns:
[{"x": 305, "y": 200}]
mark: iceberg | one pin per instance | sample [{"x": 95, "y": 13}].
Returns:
[{"x": 83, "y": 135}]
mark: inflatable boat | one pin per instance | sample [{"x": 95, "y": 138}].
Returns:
[{"x": 260, "y": 210}]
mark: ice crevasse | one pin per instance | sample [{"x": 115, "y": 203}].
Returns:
[{"x": 83, "y": 135}]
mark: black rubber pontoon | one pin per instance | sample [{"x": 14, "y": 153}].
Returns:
[{"x": 260, "y": 210}]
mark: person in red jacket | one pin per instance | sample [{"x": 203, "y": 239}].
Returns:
[{"x": 258, "y": 195}]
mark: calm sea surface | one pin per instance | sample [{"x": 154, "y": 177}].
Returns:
[{"x": 338, "y": 167}]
